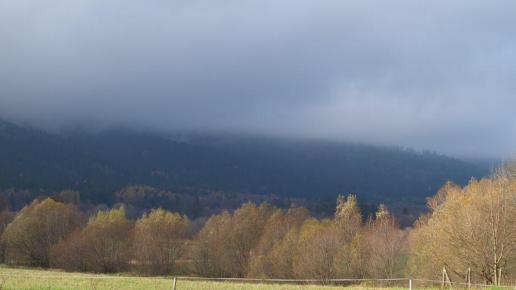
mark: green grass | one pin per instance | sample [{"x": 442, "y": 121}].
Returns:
[{"x": 14, "y": 278}]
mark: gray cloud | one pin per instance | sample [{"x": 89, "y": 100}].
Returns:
[{"x": 437, "y": 75}]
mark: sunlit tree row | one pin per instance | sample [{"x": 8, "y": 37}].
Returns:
[{"x": 473, "y": 228}]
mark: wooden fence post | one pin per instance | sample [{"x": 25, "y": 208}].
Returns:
[
  {"x": 446, "y": 278},
  {"x": 468, "y": 277},
  {"x": 442, "y": 283}
]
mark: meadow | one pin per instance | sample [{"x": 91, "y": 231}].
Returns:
[
  {"x": 40, "y": 279},
  {"x": 33, "y": 279}
]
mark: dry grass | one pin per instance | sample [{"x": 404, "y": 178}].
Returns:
[{"x": 13, "y": 278}]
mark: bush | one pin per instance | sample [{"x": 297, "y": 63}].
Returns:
[
  {"x": 159, "y": 241},
  {"x": 36, "y": 228}
]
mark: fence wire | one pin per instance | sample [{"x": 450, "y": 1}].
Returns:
[{"x": 104, "y": 282}]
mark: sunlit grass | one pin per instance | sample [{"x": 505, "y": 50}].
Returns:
[{"x": 14, "y": 278}]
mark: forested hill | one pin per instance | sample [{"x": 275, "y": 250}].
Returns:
[{"x": 99, "y": 164}]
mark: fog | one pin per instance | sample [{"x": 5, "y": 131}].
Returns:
[{"x": 437, "y": 75}]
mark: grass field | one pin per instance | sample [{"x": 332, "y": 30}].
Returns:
[{"x": 50, "y": 279}]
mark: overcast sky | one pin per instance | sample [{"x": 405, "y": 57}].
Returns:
[{"x": 438, "y": 75}]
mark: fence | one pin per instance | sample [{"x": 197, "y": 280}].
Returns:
[
  {"x": 29, "y": 279},
  {"x": 311, "y": 283},
  {"x": 394, "y": 283}
]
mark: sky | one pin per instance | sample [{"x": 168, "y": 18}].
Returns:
[{"x": 430, "y": 74}]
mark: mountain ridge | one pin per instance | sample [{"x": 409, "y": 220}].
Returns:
[{"x": 97, "y": 164}]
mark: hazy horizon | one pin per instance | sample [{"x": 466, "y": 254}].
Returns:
[{"x": 437, "y": 75}]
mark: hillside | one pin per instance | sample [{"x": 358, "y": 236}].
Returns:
[{"x": 99, "y": 164}]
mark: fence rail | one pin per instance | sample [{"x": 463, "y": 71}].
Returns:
[
  {"x": 410, "y": 283},
  {"x": 174, "y": 282}
]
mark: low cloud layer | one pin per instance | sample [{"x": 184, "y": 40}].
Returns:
[{"x": 438, "y": 75}]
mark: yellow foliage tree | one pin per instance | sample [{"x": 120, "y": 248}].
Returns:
[
  {"x": 107, "y": 242},
  {"x": 473, "y": 227},
  {"x": 159, "y": 240},
  {"x": 36, "y": 228}
]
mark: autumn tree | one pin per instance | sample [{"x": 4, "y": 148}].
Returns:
[
  {"x": 348, "y": 225},
  {"x": 106, "y": 241},
  {"x": 223, "y": 247},
  {"x": 207, "y": 250},
  {"x": 36, "y": 228},
  {"x": 307, "y": 247},
  {"x": 159, "y": 241},
  {"x": 347, "y": 216},
  {"x": 70, "y": 253},
  {"x": 386, "y": 246},
  {"x": 317, "y": 249},
  {"x": 473, "y": 227},
  {"x": 329, "y": 248},
  {"x": 272, "y": 258}
]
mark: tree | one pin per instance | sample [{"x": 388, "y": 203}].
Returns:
[
  {"x": 338, "y": 241},
  {"x": 385, "y": 244},
  {"x": 473, "y": 227},
  {"x": 106, "y": 242},
  {"x": 347, "y": 215},
  {"x": 70, "y": 253},
  {"x": 159, "y": 239},
  {"x": 266, "y": 260},
  {"x": 223, "y": 247},
  {"x": 207, "y": 249},
  {"x": 36, "y": 228},
  {"x": 282, "y": 255},
  {"x": 318, "y": 247}
]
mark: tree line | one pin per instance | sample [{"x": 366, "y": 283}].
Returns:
[{"x": 466, "y": 227}]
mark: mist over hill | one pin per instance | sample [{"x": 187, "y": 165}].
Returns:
[{"x": 97, "y": 164}]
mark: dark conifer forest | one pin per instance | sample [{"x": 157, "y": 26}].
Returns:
[{"x": 219, "y": 171}]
